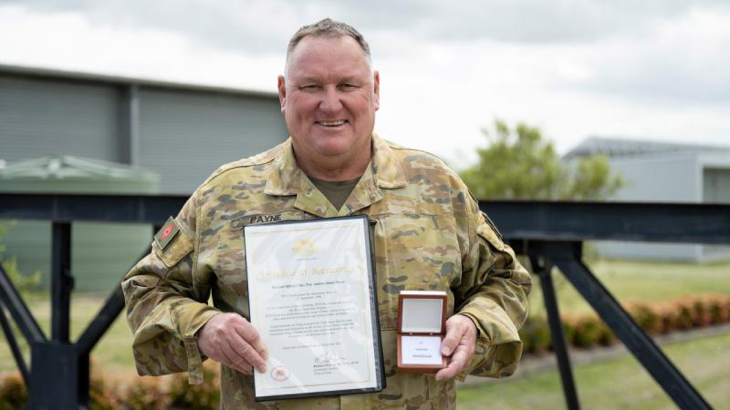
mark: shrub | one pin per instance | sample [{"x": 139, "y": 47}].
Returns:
[
  {"x": 645, "y": 316},
  {"x": 13, "y": 394},
  {"x": 719, "y": 308},
  {"x": 701, "y": 312},
  {"x": 100, "y": 396},
  {"x": 535, "y": 335},
  {"x": 587, "y": 332},
  {"x": 23, "y": 283},
  {"x": 669, "y": 319},
  {"x": 685, "y": 314},
  {"x": 196, "y": 397},
  {"x": 605, "y": 335},
  {"x": 145, "y": 393}
]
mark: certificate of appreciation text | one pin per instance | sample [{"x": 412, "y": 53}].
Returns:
[{"x": 312, "y": 300}]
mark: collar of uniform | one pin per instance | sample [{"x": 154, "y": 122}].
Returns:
[
  {"x": 285, "y": 173},
  {"x": 285, "y": 177},
  {"x": 387, "y": 170}
]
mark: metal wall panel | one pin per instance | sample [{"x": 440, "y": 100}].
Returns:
[
  {"x": 716, "y": 185},
  {"x": 667, "y": 178},
  {"x": 40, "y": 117},
  {"x": 185, "y": 136},
  {"x": 716, "y": 188}
]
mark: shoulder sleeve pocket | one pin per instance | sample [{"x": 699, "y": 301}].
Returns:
[
  {"x": 179, "y": 247},
  {"x": 488, "y": 231}
]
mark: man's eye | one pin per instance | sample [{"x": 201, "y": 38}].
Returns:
[
  {"x": 308, "y": 87},
  {"x": 348, "y": 86}
]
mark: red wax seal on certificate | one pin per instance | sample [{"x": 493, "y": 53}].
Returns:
[{"x": 279, "y": 373}]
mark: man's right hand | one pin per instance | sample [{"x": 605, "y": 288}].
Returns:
[{"x": 231, "y": 340}]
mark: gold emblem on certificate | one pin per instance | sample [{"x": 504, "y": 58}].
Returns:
[{"x": 311, "y": 297}]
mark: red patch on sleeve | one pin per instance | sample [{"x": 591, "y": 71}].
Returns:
[{"x": 166, "y": 232}]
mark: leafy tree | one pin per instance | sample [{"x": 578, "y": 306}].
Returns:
[
  {"x": 23, "y": 283},
  {"x": 520, "y": 164}
]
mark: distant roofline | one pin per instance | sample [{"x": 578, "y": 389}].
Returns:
[
  {"x": 122, "y": 81},
  {"x": 644, "y": 140},
  {"x": 617, "y": 147}
]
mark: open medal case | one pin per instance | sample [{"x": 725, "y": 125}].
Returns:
[{"x": 421, "y": 329}]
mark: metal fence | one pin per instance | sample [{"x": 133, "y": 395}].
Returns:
[{"x": 549, "y": 233}]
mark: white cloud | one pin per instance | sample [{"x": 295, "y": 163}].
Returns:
[
  {"x": 652, "y": 69},
  {"x": 263, "y": 25},
  {"x": 680, "y": 61},
  {"x": 70, "y": 41}
]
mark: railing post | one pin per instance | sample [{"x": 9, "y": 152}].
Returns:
[
  {"x": 543, "y": 268},
  {"x": 567, "y": 257},
  {"x": 105, "y": 317},
  {"x": 18, "y": 310},
  {"x": 61, "y": 282},
  {"x": 14, "y": 348},
  {"x": 59, "y": 375}
]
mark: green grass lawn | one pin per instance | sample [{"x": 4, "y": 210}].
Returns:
[{"x": 613, "y": 384}]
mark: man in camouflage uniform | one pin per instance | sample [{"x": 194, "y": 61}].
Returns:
[{"x": 428, "y": 235}]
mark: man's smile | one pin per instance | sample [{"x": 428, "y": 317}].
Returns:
[{"x": 332, "y": 123}]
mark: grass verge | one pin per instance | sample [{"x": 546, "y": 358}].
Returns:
[{"x": 613, "y": 384}]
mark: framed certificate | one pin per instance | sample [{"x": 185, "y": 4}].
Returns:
[{"x": 312, "y": 298}]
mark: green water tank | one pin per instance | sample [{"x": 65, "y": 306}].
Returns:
[{"x": 101, "y": 252}]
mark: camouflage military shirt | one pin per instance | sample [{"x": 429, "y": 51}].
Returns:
[{"x": 428, "y": 235}]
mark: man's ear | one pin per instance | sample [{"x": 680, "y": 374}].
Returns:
[
  {"x": 376, "y": 90},
  {"x": 281, "y": 86}
]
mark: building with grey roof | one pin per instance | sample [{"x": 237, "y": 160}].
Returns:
[{"x": 664, "y": 172}]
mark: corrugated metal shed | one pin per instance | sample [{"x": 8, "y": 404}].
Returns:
[
  {"x": 186, "y": 136},
  {"x": 181, "y": 131},
  {"x": 41, "y": 117}
]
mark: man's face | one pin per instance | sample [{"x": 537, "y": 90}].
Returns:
[{"x": 329, "y": 98}]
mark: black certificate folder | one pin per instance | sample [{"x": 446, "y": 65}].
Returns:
[{"x": 312, "y": 298}]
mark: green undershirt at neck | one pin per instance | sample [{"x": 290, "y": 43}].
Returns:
[{"x": 336, "y": 192}]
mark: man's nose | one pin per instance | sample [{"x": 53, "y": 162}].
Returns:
[{"x": 330, "y": 101}]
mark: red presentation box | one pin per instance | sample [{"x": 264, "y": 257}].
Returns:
[{"x": 421, "y": 329}]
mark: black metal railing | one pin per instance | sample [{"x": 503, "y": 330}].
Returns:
[{"x": 549, "y": 233}]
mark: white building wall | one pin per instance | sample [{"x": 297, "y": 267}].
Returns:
[
  {"x": 715, "y": 189},
  {"x": 675, "y": 178}
]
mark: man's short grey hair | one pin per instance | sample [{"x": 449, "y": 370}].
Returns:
[{"x": 326, "y": 28}]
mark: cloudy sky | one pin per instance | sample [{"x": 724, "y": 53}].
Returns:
[{"x": 650, "y": 69}]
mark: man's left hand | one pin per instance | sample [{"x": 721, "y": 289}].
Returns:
[{"x": 461, "y": 336}]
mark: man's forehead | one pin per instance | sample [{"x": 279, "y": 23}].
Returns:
[
  {"x": 312, "y": 44},
  {"x": 339, "y": 51}
]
